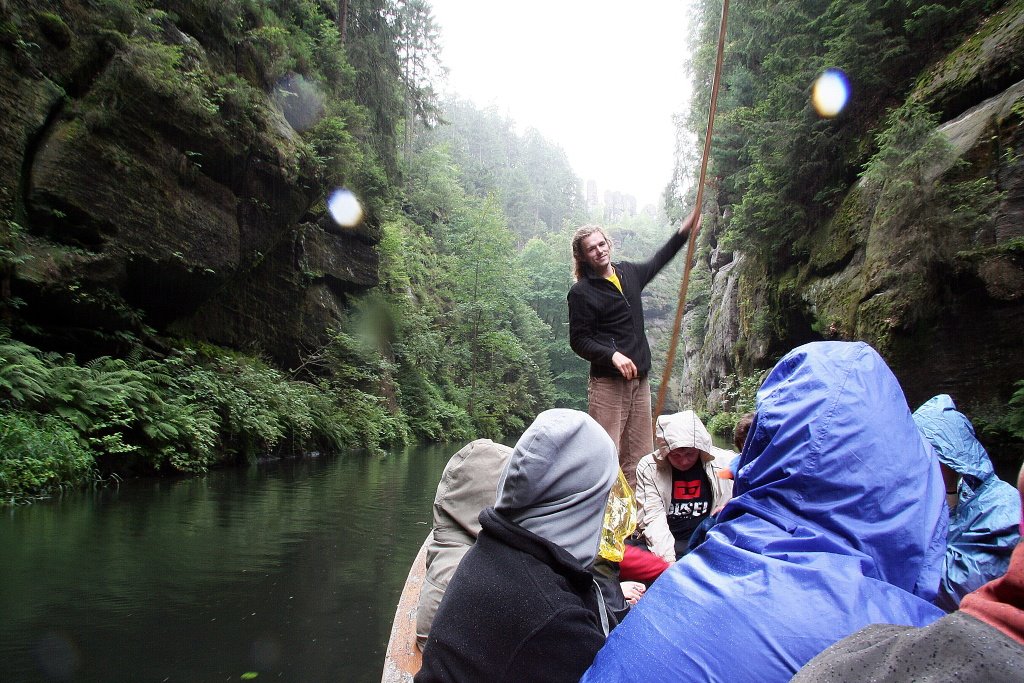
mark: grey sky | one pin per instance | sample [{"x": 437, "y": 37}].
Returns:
[{"x": 601, "y": 78}]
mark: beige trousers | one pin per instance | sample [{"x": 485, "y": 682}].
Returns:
[{"x": 623, "y": 407}]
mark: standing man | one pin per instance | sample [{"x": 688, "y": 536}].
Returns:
[{"x": 606, "y": 327}]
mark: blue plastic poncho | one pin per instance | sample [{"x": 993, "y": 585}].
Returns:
[
  {"x": 984, "y": 526},
  {"x": 838, "y": 521}
]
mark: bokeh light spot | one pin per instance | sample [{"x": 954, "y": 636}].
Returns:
[
  {"x": 345, "y": 208},
  {"x": 57, "y": 656},
  {"x": 300, "y": 101},
  {"x": 830, "y": 93}
]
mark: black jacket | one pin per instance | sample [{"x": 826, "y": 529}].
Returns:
[
  {"x": 518, "y": 608},
  {"x": 603, "y": 320}
]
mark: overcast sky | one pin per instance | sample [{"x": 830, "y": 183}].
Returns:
[{"x": 600, "y": 78}]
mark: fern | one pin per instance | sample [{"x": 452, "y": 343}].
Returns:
[
  {"x": 23, "y": 374},
  {"x": 1014, "y": 420}
]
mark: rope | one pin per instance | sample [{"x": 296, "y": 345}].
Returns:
[{"x": 695, "y": 228}]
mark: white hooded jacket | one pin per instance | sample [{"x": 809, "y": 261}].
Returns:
[{"x": 654, "y": 477}]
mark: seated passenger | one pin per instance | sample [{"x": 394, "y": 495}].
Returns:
[
  {"x": 739, "y": 434},
  {"x": 466, "y": 487},
  {"x": 640, "y": 564},
  {"x": 983, "y": 523},
  {"x": 522, "y": 606},
  {"x": 983, "y": 641},
  {"x": 677, "y": 486},
  {"x": 837, "y": 521}
]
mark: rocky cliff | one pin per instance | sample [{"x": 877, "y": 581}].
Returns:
[
  {"x": 931, "y": 271},
  {"x": 150, "y": 181}
]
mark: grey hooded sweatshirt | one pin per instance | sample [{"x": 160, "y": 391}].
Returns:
[
  {"x": 557, "y": 481},
  {"x": 522, "y": 605}
]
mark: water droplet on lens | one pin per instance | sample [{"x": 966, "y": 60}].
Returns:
[
  {"x": 345, "y": 208},
  {"x": 830, "y": 93}
]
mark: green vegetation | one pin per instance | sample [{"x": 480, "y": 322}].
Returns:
[
  {"x": 1013, "y": 421},
  {"x": 465, "y": 336},
  {"x": 783, "y": 168},
  {"x": 39, "y": 454},
  {"x": 783, "y": 172},
  {"x": 195, "y": 408},
  {"x": 1002, "y": 424},
  {"x": 741, "y": 394}
]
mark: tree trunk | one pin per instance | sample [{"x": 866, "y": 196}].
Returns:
[{"x": 342, "y": 19}]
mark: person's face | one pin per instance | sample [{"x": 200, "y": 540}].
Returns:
[
  {"x": 683, "y": 458},
  {"x": 596, "y": 251}
]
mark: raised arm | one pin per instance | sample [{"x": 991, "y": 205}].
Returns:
[{"x": 646, "y": 270}]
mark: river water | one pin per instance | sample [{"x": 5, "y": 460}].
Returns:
[{"x": 286, "y": 571}]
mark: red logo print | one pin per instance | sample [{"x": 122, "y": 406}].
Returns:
[{"x": 685, "y": 490}]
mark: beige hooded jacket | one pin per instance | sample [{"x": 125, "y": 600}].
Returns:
[
  {"x": 467, "y": 486},
  {"x": 654, "y": 477}
]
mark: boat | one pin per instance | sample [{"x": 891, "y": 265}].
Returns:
[{"x": 403, "y": 658}]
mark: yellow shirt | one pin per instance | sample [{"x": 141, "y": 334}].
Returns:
[{"x": 614, "y": 279}]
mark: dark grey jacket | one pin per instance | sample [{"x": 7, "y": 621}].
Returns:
[
  {"x": 603, "y": 320},
  {"x": 955, "y": 648},
  {"x": 519, "y": 608}
]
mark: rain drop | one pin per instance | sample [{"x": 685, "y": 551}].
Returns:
[
  {"x": 830, "y": 93},
  {"x": 345, "y": 208}
]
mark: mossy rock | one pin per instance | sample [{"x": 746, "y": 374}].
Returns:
[
  {"x": 53, "y": 27},
  {"x": 833, "y": 245},
  {"x": 982, "y": 66}
]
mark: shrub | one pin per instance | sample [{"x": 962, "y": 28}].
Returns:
[
  {"x": 999, "y": 423},
  {"x": 724, "y": 424},
  {"x": 40, "y": 454}
]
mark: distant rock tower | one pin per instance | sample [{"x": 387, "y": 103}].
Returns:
[
  {"x": 618, "y": 205},
  {"x": 591, "y": 195}
]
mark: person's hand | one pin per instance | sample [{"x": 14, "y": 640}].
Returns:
[
  {"x": 632, "y": 591},
  {"x": 691, "y": 223},
  {"x": 624, "y": 365}
]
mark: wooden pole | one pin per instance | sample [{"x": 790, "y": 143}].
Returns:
[{"x": 695, "y": 228}]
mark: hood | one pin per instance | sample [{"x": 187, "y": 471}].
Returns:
[
  {"x": 681, "y": 430},
  {"x": 835, "y": 459},
  {"x": 557, "y": 480},
  {"x": 467, "y": 487},
  {"x": 952, "y": 436}
]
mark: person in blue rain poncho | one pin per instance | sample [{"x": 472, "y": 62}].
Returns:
[
  {"x": 838, "y": 520},
  {"x": 983, "y": 524}
]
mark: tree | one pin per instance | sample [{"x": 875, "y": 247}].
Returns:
[{"x": 419, "y": 51}]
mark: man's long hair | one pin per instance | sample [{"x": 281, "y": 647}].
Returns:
[{"x": 579, "y": 260}]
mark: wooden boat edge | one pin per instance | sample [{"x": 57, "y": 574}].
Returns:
[{"x": 403, "y": 657}]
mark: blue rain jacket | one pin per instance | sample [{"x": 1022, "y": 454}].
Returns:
[
  {"x": 838, "y": 521},
  {"x": 984, "y": 526}
]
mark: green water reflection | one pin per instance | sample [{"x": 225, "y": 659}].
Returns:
[{"x": 289, "y": 570}]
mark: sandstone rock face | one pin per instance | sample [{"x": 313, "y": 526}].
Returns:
[
  {"x": 944, "y": 302},
  {"x": 148, "y": 188},
  {"x": 939, "y": 291}
]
